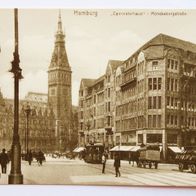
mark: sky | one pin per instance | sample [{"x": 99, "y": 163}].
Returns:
[{"x": 90, "y": 41}]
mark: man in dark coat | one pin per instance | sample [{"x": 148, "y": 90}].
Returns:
[
  {"x": 4, "y": 161},
  {"x": 117, "y": 165},
  {"x": 30, "y": 157},
  {"x": 41, "y": 157}
]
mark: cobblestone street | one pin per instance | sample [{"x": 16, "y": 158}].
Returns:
[{"x": 65, "y": 171}]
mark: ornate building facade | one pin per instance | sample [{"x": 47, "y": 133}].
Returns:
[{"x": 154, "y": 95}]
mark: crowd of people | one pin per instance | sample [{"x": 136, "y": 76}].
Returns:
[{"x": 39, "y": 156}]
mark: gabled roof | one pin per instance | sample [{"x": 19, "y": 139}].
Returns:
[
  {"x": 88, "y": 82},
  {"x": 114, "y": 64},
  {"x": 165, "y": 40},
  {"x": 162, "y": 39},
  {"x": 99, "y": 79}
]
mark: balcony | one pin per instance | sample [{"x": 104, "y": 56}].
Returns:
[{"x": 127, "y": 82}]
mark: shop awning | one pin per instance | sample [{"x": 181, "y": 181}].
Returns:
[
  {"x": 135, "y": 148},
  {"x": 121, "y": 148},
  {"x": 78, "y": 149},
  {"x": 175, "y": 149}
]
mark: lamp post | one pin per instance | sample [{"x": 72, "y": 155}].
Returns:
[
  {"x": 15, "y": 176},
  {"x": 27, "y": 111},
  {"x": 88, "y": 128}
]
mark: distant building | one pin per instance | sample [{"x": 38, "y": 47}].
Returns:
[{"x": 154, "y": 96}]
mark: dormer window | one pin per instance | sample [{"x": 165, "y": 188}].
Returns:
[{"x": 154, "y": 65}]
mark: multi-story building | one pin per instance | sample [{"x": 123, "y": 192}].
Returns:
[
  {"x": 154, "y": 95},
  {"x": 96, "y": 108},
  {"x": 41, "y": 123}
]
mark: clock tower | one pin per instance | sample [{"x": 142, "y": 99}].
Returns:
[{"x": 59, "y": 88}]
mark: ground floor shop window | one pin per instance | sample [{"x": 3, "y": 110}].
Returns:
[
  {"x": 140, "y": 138},
  {"x": 117, "y": 140},
  {"x": 172, "y": 138},
  {"x": 154, "y": 138}
]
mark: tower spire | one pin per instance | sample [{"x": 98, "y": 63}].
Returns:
[{"x": 59, "y": 23}]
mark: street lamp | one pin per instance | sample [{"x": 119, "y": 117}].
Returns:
[
  {"x": 15, "y": 176},
  {"x": 27, "y": 111},
  {"x": 88, "y": 128}
]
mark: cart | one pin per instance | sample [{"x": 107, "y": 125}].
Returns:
[
  {"x": 186, "y": 161},
  {"x": 149, "y": 157}
]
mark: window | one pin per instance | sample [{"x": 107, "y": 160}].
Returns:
[
  {"x": 149, "y": 121},
  {"x": 108, "y": 106},
  {"x": 81, "y": 103},
  {"x": 168, "y": 63},
  {"x": 149, "y": 102},
  {"x": 172, "y": 138},
  {"x": 159, "y": 102},
  {"x": 168, "y": 84},
  {"x": 168, "y": 101},
  {"x": 154, "y": 83},
  {"x": 108, "y": 120},
  {"x": 176, "y": 65},
  {"x": 176, "y": 102},
  {"x": 81, "y": 126},
  {"x": 140, "y": 138},
  {"x": 172, "y": 101},
  {"x": 154, "y": 138},
  {"x": 172, "y": 84},
  {"x": 149, "y": 83},
  {"x": 94, "y": 99},
  {"x": 159, "y": 83},
  {"x": 176, "y": 120},
  {"x": 159, "y": 121},
  {"x": 172, "y": 119},
  {"x": 108, "y": 92},
  {"x": 168, "y": 119},
  {"x": 108, "y": 78},
  {"x": 172, "y": 64},
  {"x": 154, "y": 102},
  {"x": 154, "y": 120},
  {"x": 154, "y": 65}
]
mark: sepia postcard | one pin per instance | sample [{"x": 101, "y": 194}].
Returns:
[{"x": 98, "y": 97}]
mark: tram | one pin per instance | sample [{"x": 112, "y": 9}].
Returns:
[{"x": 93, "y": 153}]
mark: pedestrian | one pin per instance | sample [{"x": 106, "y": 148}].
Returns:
[
  {"x": 117, "y": 165},
  {"x": 30, "y": 157},
  {"x": 41, "y": 157},
  {"x": 4, "y": 161},
  {"x": 103, "y": 160}
]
